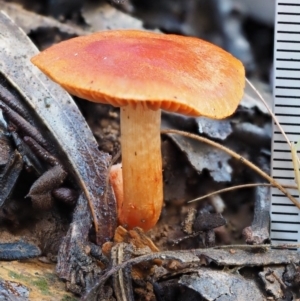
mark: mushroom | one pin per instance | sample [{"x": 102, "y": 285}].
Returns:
[{"x": 144, "y": 72}]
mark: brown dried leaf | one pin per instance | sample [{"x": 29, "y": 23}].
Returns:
[
  {"x": 104, "y": 17},
  {"x": 60, "y": 115},
  {"x": 270, "y": 276},
  {"x": 217, "y": 129},
  {"x": 203, "y": 156},
  {"x": 30, "y": 21},
  {"x": 221, "y": 286},
  {"x": 236, "y": 257}
]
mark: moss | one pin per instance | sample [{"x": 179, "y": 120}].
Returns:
[
  {"x": 42, "y": 285},
  {"x": 18, "y": 276},
  {"x": 51, "y": 278}
]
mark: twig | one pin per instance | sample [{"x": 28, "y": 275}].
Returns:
[
  {"x": 235, "y": 188},
  {"x": 238, "y": 157},
  {"x": 270, "y": 111},
  {"x": 281, "y": 130},
  {"x": 296, "y": 163},
  {"x": 242, "y": 247},
  {"x": 264, "y": 246}
]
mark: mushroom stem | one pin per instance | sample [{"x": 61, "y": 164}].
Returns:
[{"x": 142, "y": 167}]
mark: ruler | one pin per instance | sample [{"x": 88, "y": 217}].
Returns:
[{"x": 285, "y": 216}]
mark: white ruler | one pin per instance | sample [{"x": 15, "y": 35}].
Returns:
[{"x": 285, "y": 216}]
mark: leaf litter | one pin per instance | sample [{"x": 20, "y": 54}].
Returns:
[{"x": 190, "y": 175}]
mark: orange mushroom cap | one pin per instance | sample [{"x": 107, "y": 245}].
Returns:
[{"x": 175, "y": 73}]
